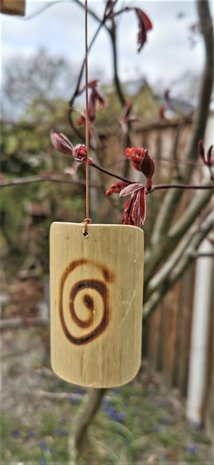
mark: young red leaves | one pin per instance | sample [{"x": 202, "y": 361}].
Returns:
[
  {"x": 63, "y": 145},
  {"x": 135, "y": 208},
  {"x": 142, "y": 161}
]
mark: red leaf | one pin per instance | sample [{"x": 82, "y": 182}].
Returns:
[
  {"x": 91, "y": 85},
  {"x": 147, "y": 166},
  {"x": 135, "y": 208},
  {"x": 142, "y": 206},
  {"x": 145, "y": 25},
  {"x": 95, "y": 98},
  {"x": 126, "y": 217},
  {"x": 145, "y": 18},
  {"x": 130, "y": 189},
  {"x": 116, "y": 187}
]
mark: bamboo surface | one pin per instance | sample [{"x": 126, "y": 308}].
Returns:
[
  {"x": 96, "y": 289},
  {"x": 12, "y": 7}
]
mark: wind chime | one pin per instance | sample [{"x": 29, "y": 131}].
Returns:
[{"x": 96, "y": 282}]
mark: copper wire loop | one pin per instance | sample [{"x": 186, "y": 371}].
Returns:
[{"x": 86, "y": 221}]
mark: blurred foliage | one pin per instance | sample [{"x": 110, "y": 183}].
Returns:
[
  {"x": 26, "y": 151},
  {"x": 145, "y": 104}
]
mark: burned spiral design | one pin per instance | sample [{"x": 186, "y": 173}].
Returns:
[{"x": 77, "y": 328}]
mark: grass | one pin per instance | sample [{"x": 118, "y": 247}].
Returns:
[{"x": 136, "y": 425}]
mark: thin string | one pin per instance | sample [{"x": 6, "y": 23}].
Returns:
[{"x": 87, "y": 218}]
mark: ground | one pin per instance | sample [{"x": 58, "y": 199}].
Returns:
[{"x": 141, "y": 423}]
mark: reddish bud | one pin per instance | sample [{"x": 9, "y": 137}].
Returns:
[
  {"x": 141, "y": 161},
  {"x": 80, "y": 152},
  {"x": 136, "y": 156},
  {"x": 148, "y": 168},
  {"x": 61, "y": 143}
]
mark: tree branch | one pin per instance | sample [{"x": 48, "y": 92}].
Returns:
[
  {"x": 161, "y": 285},
  {"x": 85, "y": 413},
  {"x": 16, "y": 323},
  {"x": 44, "y": 178},
  {"x": 163, "y": 249}
]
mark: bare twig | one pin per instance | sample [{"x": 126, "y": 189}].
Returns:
[
  {"x": 41, "y": 10},
  {"x": 65, "y": 180},
  {"x": 181, "y": 186},
  {"x": 58, "y": 395},
  {"x": 17, "y": 323},
  {"x": 44, "y": 178}
]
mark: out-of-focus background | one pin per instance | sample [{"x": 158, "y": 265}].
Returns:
[{"x": 166, "y": 414}]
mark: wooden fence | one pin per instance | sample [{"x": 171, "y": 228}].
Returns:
[
  {"x": 167, "y": 333},
  {"x": 166, "y": 341}
]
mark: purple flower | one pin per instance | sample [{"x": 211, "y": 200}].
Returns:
[
  {"x": 43, "y": 444},
  {"x": 112, "y": 412},
  {"x": 192, "y": 448},
  {"x": 31, "y": 434},
  {"x": 16, "y": 433}
]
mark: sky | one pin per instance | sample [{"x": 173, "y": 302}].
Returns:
[{"x": 167, "y": 55}]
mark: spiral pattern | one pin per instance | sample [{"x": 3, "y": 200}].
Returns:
[{"x": 84, "y": 303}]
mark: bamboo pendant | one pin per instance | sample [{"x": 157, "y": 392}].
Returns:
[{"x": 96, "y": 286}]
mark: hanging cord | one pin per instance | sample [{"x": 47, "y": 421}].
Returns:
[{"x": 87, "y": 219}]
